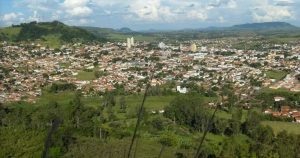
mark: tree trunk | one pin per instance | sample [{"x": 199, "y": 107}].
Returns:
[
  {"x": 161, "y": 151},
  {"x": 100, "y": 133},
  {"x": 77, "y": 122},
  {"x": 174, "y": 120}
]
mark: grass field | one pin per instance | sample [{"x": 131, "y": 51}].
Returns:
[
  {"x": 83, "y": 75},
  {"x": 148, "y": 146},
  {"x": 279, "y": 90},
  {"x": 62, "y": 98},
  {"x": 53, "y": 41},
  {"x": 152, "y": 103},
  {"x": 277, "y": 75},
  {"x": 10, "y": 32},
  {"x": 280, "y": 126}
]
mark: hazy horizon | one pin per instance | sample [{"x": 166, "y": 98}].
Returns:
[{"x": 155, "y": 14}]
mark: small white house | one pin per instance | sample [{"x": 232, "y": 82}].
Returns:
[
  {"x": 277, "y": 99},
  {"x": 297, "y": 119},
  {"x": 181, "y": 89}
]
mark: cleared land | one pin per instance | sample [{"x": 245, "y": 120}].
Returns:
[
  {"x": 84, "y": 75},
  {"x": 281, "y": 126},
  {"x": 277, "y": 75}
]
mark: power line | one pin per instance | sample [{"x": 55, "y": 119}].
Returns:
[
  {"x": 205, "y": 132},
  {"x": 140, "y": 114}
]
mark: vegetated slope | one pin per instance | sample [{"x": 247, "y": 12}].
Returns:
[
  {"x": 121, "y": 34},
  {"x": 277, "y": 31},
  {"x": 9, "y": 33},
  {"x": 265, "y": 25},
  {"x": 50, "y": 33}
]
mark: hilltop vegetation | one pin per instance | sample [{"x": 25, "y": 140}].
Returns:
[
  {"x": 121, "y": 35},
  {"x": 265, "y": 25},
  {"x": 52, "y": 34},
  {"x": 55, "y": 33},
  {"x": 63, "y": 123}
]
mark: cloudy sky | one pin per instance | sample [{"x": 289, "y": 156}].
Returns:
[{"x": 150, "y": 14}]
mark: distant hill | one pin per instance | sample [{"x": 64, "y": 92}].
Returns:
[
  {"x": 241, "y": 27},
  {"x": 55, "y": 33},
  {"x": 265, "y": 25},
  {"x": 49, "y": 33},
  {"x": 120, "y": 35},
  {"x": 277, "y": 31},
  {"x": 125, "y": 30}
]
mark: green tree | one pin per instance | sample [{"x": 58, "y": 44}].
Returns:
[
  {"x": 122, "y": 103},
  {"x": 234, "y": 147},
  {"x": 77, "y": 110},
  {"x": 262, "y": 144},
  {"x": 285, "y": 145},
  {"x": 167, "y": 139}
]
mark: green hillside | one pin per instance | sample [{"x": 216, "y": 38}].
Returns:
[
  {"x": 9, "y": 33},
  {"x": 51, "y": 34},
  {"x": 114, "y": 35}
]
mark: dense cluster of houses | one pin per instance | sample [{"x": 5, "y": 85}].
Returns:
[
  {"x": 285, "y": 111},
  {"x": 26, "y": 68}
]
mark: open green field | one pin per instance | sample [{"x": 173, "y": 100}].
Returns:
[
  {"x": 277, "y": 75},
  {"x": 84, "y": 75},
  {"x": 9, "y": 33},
  {"x": 280, "y": 90},
  {"x": 154, "y": 103},
  {"x": 61, "y": 98},
  {"x": 280, "y": 126},
  {"x": 53, "y": 41},
  {"x": 132, "y": 101},
  {"x": 148, "y": 145},
  {"x": 121, "y": 129}
]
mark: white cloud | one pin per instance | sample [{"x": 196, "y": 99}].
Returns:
[
  {"x": 77, "y": 8},
  {"x": 272, "y": 14},
  {"x": 166, "y": 11},
  {"x": 231, "y": 4},
  {"x": 39, "y": 5},
  {"x": 196, "y": 15},
  {"x": 79, "y": 22},
  {"x": 151, "y": 11},
  {"x": 222, "y": 4},
  {"x": 266, "y": 12},
  {"x": 11, "y": 18},
  {"x": 284, "y": 2},
  {"x": 111, "y": 2},
  {"x": 34, "y": 17},
  {"x": 212, "y": 12},
  {"x": 221, "y": 19}
]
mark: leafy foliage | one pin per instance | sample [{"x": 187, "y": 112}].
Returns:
[{"x": 47, "y": 32}]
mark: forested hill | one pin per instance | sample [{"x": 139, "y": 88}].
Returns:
[
  {"x": 51, "y": 33},
  {"x": 265, "y": 25}
]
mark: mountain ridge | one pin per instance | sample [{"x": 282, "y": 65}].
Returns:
[
  {"x": 50, "y": 33},
  {"x": 265, "y": 25},
  {"x": 245, "y": 26}
]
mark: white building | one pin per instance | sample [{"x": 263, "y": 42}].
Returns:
[
  {"x": 181, "y": 90},
  {"x": 128, "y": 43},
  {"x": 161, "y": 45},
  {"x": 132, "y": 41},
  {"x": 193, "y": 47}
]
